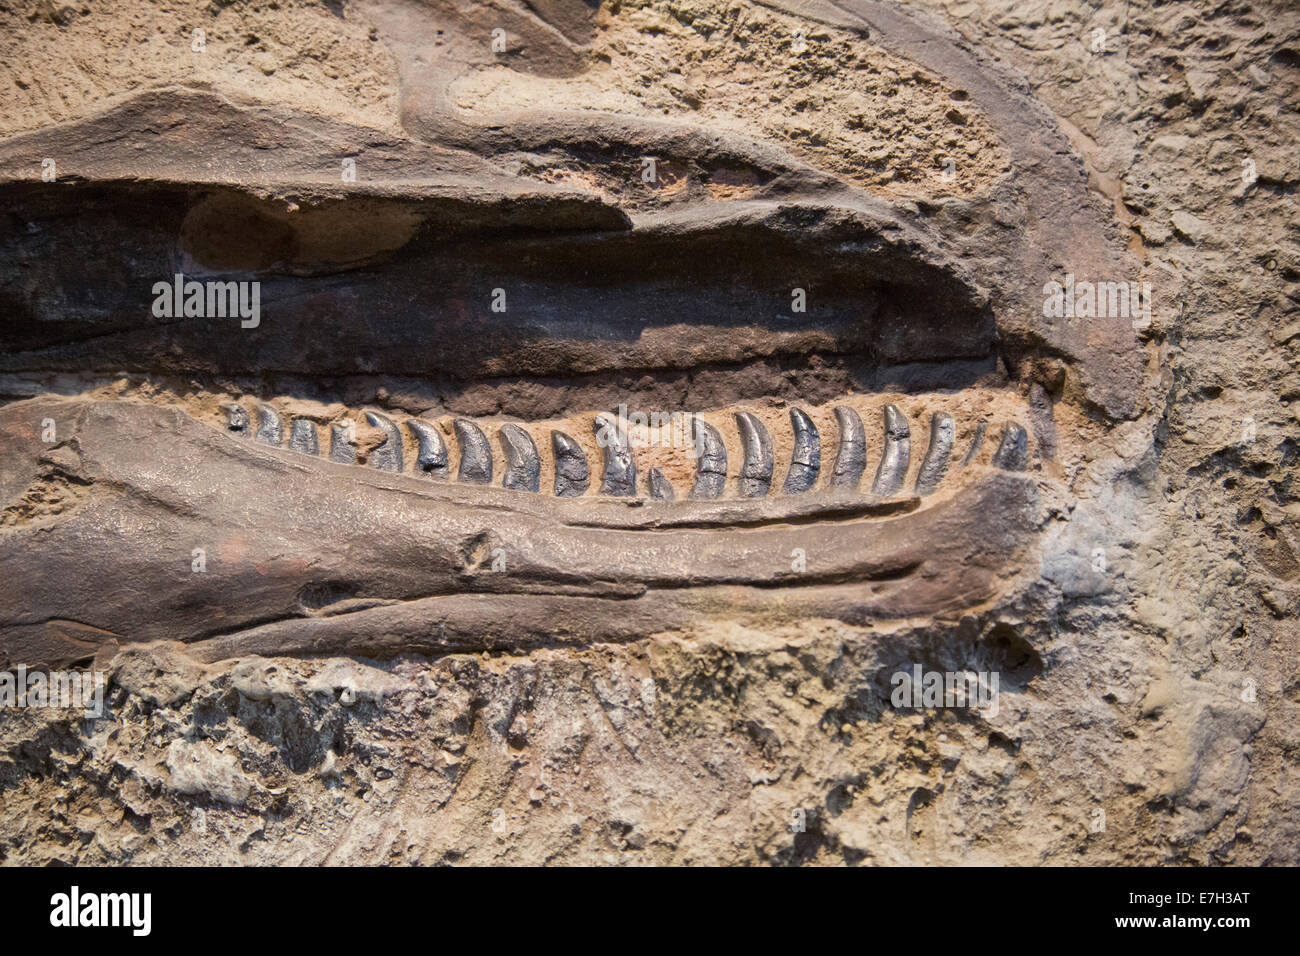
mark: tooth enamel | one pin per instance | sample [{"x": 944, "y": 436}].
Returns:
[
  {"x": 976, "y": 443},
  {"x": 431, "y": 450},
  {"x": 342, "y": 449},
  {"x": 302, "y": 437},
  {"x": 1042, "y": 422},
  {"x": 898, "y": 454},
  {"x": 269, "y": 427},
  {"x": 756, "y": 470},
  {"x": 475, "y": 453},
  {"x": 388, "y": 456},
  {"x": 851, "y": 457},
  {"x": 711, "y": 461},
  {"x": 522, "y": 471},
  {"x": 806, "y": 460},
  {"x": 1013, "y": 449},
  {"x": 236, "y": 419},
  {"x": 661, "y": 488},
  {"x": 935, "y": 462},
  {"x": 571, "y": 474},
  {"x": 620, "y": 468},
  {"x": 523, "y": 467}
]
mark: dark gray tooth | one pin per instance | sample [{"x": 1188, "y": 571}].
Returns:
[
  {"x": 661, "y": 488},
  {"x": 976, "y": 443},
  {"x": 710, "y": 461},
  {"x": 523, "y": 467},
  {"x": 935, "y": 462},
  {"x": 1013, "y": 450},
  {"x": 571, "y": 474},
  {"x": 851, "y": 457},
  {"x": 898, "y": 454},
  {"x": 1042, "y": 421},
  {"x": 236, "y": 419},
  {"x": 431, "y": 450},
  {"x": 302, "y": 437},
  {"x": 388, "y": 456},
  {"x": 269, "y": 427},
  {"x": 620, "y": 467},
  {"x": 342, "y": 448},
  {"x": 806, "y": 461},
  {"x": 475, "y": 453},
  {"x": 756, "y": 470}
]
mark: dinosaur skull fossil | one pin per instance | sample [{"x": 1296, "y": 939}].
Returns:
[{"x": 541, "y": 371}]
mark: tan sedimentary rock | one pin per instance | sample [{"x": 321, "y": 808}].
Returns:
[{"x": 468, "y": 241}]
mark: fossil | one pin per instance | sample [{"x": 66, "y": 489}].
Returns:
[
  {"x": 415, "y": 446},
  {"x": 409, "y": 556},
  {"x": 471, "y": 432},
  {"x": 568, "y": 462}
]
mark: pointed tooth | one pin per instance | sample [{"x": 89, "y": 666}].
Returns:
[
  {"x": 976, "y": 443},
  {"x": 269, "y": 427},
  {"x": 388, "y": 456},
  {"x": 342, "y": 448},
  {"x": 431, "y": 450},
  {"x": 661, "y": 488},
  {"x": 756, "y": 470},
  {"x": 523, "y": 467},
  {"x": 620, "y": 467},
  {"x": 236, "y": 419},
  {"x": 935, "y": 462},
  {"x": 898, "y": 454},
  {"x": 302, "y": 437},
  {"x": 571, "y": 474},
  {"x": 851, "y": 456},
  {"x": 710, "y": 461},
  {"x": 806, "y": 460},
  {"x": 1042, "y": 419},
  {"x": 475, "y": 453},
  {"x": 1013, "y": 449}
]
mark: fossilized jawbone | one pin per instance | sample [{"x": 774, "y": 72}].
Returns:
[
  {"x": 304, "y": 554},
  {"x": 417, "y": 448}
]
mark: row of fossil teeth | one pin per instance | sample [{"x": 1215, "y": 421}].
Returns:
[{"x": 619, "y": 478}]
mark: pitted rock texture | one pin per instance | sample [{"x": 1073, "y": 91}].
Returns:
[
  {"x": 1146, "y": 647},
  {"x": 829, "y": 94},
  {"x": 63, "y": 61}
]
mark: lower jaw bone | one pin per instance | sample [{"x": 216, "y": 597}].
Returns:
[{"x": 434, "y": 566}]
